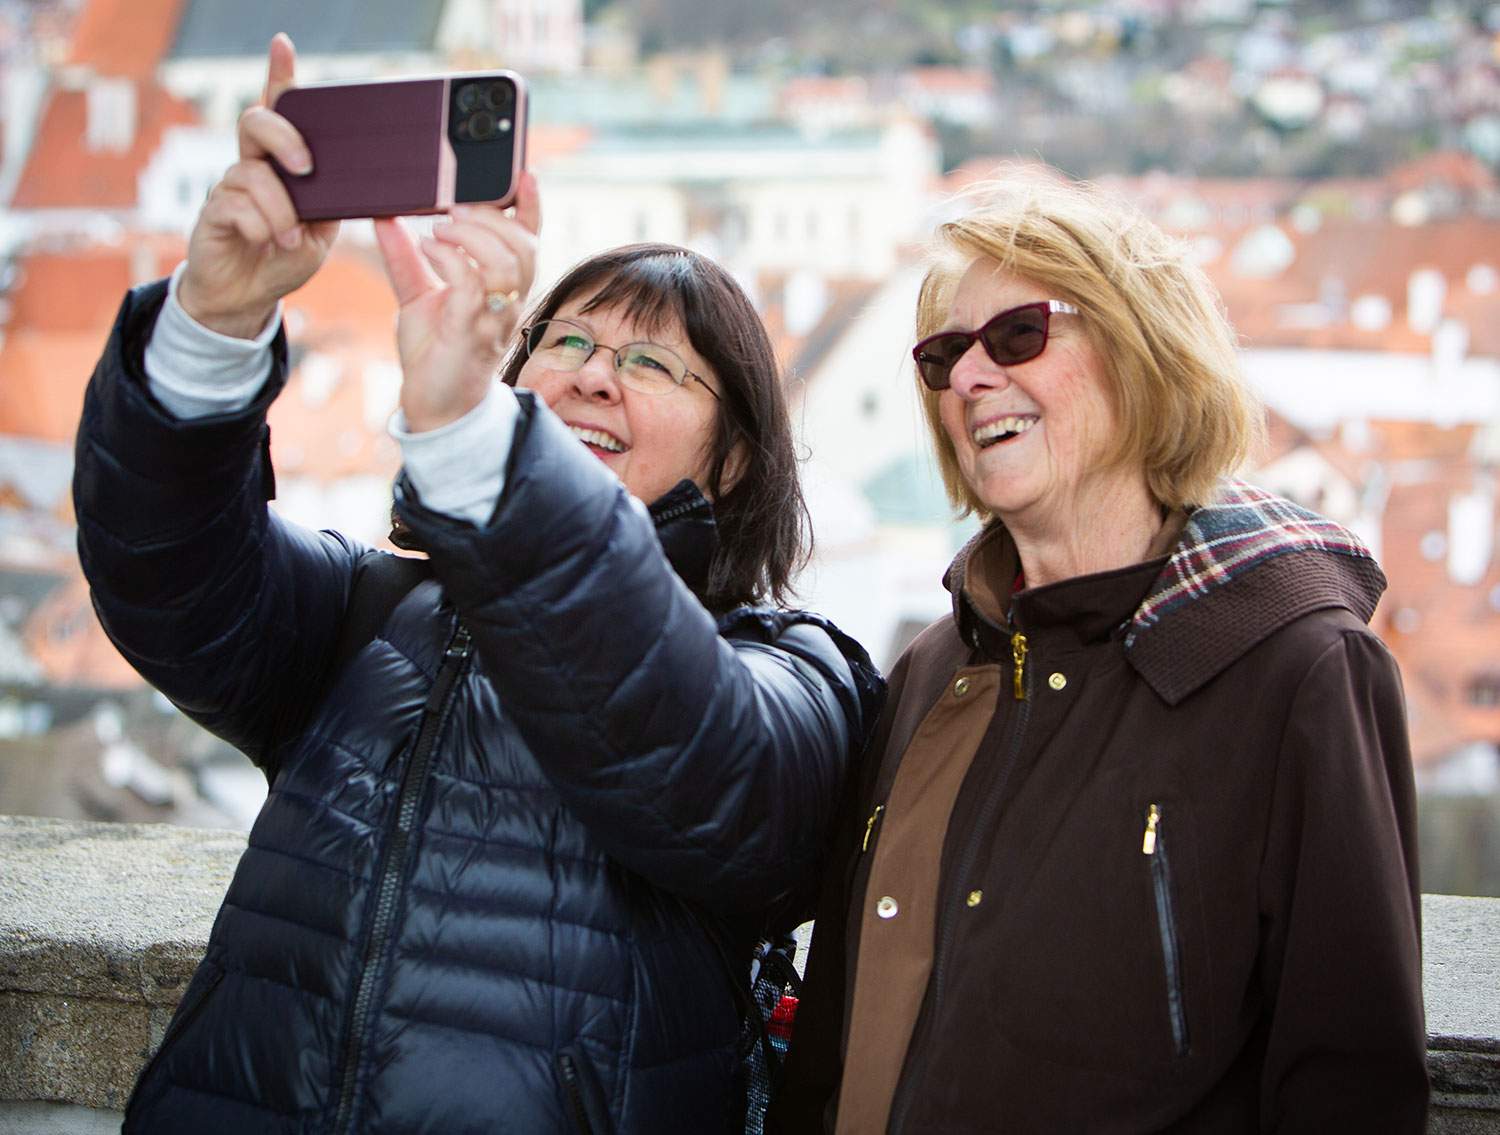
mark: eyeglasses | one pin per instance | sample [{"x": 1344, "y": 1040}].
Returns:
[
  {"x": 1016, "y": 335},
  {"x": 650, "y": 368}
]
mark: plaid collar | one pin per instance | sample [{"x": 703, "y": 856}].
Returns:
[
  {"x": 1284, "y": 560},
  {"x": 1242, "y": 529}
]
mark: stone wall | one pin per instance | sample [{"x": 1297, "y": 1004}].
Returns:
[{"x": 102, "y": 924}]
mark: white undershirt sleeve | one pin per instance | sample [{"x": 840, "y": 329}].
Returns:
[
  {"x": 195, "y": 372},
  {"x": 459, "y": 469}
]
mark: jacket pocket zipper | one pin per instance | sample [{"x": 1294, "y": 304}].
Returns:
[
  {"x": 870, "y": 827},
  {"x": 1154, "y": 845},
  {"x": 573, "y": 1088}
]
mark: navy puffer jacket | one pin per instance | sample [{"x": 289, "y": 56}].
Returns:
[{"x": 503, "y": 926}]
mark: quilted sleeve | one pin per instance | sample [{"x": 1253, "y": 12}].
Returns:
[
  {"x": 709, "y": 763},
  {"x": 229, "y": 611}
]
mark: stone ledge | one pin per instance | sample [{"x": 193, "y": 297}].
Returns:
[{"x": 101, "y": 926}]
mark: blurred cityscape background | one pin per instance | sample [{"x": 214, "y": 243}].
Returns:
[{"x": 1332, "y": 163}]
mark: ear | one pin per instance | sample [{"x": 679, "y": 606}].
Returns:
[{"x": 734, "y": 467}]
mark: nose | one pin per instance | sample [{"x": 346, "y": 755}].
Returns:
[
  {"x": 976, "y": 373},
  {"x": 596, "y": 380}
]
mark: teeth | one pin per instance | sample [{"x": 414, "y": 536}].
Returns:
[
  {"x": 599, "y": 438},
  {"x": 1001, "y": 427}
]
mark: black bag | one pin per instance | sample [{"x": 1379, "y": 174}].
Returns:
[
  {"x": 768, "y": 1003},
  {"x": 775, "y": 986}
]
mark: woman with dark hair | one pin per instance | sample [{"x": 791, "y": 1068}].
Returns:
[
  {"x": 527, "y": 807},
  {"x": 750, "y": 468}
]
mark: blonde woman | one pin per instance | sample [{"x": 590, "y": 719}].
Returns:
[{"x": 1134, "y": 849}]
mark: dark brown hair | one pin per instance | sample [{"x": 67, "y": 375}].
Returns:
[{"x": 764, "y": 530}]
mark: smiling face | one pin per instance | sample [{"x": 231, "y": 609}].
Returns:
[
  {"x": 1029, "y": 438},
  {"x": 649, "y": 441}
]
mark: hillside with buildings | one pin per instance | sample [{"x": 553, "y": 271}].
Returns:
[{"x": 1368, "y": 302}]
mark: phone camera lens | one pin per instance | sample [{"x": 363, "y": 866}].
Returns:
[
  {"x": 499, "y": 96},
  {"x": 481, "y": 126},
  {"x": 468, "y": 97}
]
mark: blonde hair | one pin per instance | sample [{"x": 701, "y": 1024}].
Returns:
[{"x": 1185, "y": 414}]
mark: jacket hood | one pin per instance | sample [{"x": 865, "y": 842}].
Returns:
[{"x": 1245, "y": 565}]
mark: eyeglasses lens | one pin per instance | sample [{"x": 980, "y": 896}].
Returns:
[
  {"x": 650, "y": 368},
  {"x": 1011, "y": 337},
  {"x": 1015, "y": 336},
  {"x": 558, "y": 345},
  {"x": 647, "y": 367}
]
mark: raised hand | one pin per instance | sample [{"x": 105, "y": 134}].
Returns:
[
  {"x": 460, "y": 292},
  {"x": 248, "y": 249}
]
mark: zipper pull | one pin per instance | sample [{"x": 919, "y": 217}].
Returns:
[
  {"x": 1148, "y": 842},
  {"x": 870, "y": 827},
  {"x": 460, "y": 645},
  {"x": 1018, "y": 653}
]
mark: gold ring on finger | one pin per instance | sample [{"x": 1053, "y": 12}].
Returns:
[{"x": 499, "y": 301}]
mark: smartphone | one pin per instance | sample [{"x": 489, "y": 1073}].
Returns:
[{"x": 407, "y": 146}]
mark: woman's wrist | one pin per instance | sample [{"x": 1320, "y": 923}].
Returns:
[
  {"x": 241, "y": 324},
  {"x": 424, "y": 416}
]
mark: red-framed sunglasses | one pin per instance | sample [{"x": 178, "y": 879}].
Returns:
[{"x": 1014, "y": 336}]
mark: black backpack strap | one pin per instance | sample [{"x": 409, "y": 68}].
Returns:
[{"x": 381, "y": 580}]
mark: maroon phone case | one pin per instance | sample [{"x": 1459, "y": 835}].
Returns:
[
  {"x": 379, "y": 149},
  {"x": 375, "y": 147}
]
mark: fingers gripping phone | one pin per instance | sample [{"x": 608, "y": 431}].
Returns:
[{"x": 407, "y": 146}]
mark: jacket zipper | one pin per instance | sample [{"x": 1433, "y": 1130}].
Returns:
[
  {"x": 1155, "y": 846},
  {"x": 398, "y": 855},
  {"x": 949, "y": 906},
  {"x": 675, "y": 511},
  {"x": 569, "y": 1072},
  {"x": 870, "y": 827}
]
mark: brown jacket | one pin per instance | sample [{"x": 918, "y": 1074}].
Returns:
[{"x": 1252, "y": 965}]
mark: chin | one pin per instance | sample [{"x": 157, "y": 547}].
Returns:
[{"x": 1000, "y": 495}]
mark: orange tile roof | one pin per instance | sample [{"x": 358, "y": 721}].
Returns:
[
  {"x": 124, "y": 38},
  {"x": 62, "y": 172},
  {"x": 42, "y": 379},
  {"x": 66, "y": 302},
  {"x": 1450, "y": 167},
  {"x": 344, "y": 316},
  {"x": 1370, "y": 258},
  {"x": 61, "y": 314}
]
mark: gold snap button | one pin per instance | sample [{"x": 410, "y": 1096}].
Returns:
[
  {"x": 960, "y": 687},
  {"x": 886, "y": 907},
  {"x": 1058, "y": 680},
  {"x": 975, "y": 898}
]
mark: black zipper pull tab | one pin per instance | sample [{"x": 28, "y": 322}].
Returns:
[{"x": 460, "y": 645}]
